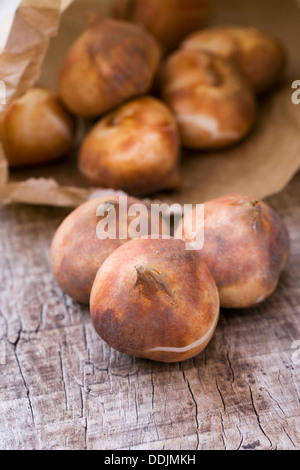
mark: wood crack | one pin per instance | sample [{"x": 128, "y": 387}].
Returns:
[
  {"x": 221, "y": 396},
  {"x": 231, "y": 369},
  {"x": 186, "y": 381},
  {"x": 258, "y": 417},
  {"x": 152, "y": 387},
  {"x": 63, "y": 379},
  {"x": 24, "y": 381},
  {"x": 223, "y": 435},
  {"x": 288, "y": 436},
  {"x": 275, "y": 401},
  {"x": 242, "y": 438}
]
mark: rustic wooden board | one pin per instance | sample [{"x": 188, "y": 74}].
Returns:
[{"x": 62, "y": 387}]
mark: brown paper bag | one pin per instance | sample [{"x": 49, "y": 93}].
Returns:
[{"x": 259, "y": 166}]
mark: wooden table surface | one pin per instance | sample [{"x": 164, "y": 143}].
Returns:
[{"x": 62, "y": 387}]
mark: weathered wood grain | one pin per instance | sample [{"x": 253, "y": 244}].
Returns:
[{"x": 61, "y": 387}]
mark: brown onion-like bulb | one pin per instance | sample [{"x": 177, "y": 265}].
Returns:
[
  {"x": 111, "y": 62},
  {"x": 212, "y": 102},
  {"x": 259, "y": 56},
  {"x": 77, "y": 253},
  {"x": 154, "y": 299},
  {"x": 36, "y": 129},
  {"x": 135, "y": 148},
  {"x": 246, "y": 248},
  {"x": 170, "y": 21}
]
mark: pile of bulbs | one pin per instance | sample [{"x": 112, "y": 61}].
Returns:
[{"x": 156, "y": 82}]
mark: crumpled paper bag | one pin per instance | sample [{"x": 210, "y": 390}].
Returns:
[
  {"x": 24, "y": 42},
  {"x": 261, "y": 165}
]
